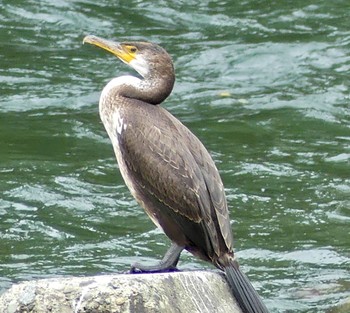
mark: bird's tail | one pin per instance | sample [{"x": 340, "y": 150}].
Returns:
[{"x": 245, "y": 294}]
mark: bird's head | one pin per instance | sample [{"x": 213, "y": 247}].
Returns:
[{"x": 148, "y": 59}]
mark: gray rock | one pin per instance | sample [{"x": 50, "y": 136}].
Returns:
[{"x": 183, "y": 292}]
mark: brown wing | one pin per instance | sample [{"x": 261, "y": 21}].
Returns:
[
  {"x": 213, "y": 182},
  {"x": 177, "y": 180}
]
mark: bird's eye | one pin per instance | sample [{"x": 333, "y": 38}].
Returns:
[{"x": 133, "y": 49}]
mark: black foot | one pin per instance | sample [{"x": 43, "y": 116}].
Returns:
[
  {"x": 138, "y": 268},
  {"x": 167, "y": 264}
]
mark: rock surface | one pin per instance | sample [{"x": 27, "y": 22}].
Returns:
[{"x": 183, "y": 292}]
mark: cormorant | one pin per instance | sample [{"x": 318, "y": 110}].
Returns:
[{"x": 167, "y": 169}]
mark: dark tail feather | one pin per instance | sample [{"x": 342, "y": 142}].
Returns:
[{"x": 245, "y": 294}]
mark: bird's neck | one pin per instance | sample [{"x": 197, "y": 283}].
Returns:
[
  {"x": 121, "y": 92},
  {"x": 151, "y": 90}
]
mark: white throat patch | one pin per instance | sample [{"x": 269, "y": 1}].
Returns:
[{"x": 140, "y": 65}]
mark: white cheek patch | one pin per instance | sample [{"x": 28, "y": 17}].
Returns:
[{"x": 140, "y": 65}]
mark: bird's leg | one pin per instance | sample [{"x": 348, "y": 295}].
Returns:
[{"x": 167, "y": 264}]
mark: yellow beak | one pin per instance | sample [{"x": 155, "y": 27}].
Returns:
[{"x": 119, "y": 50}]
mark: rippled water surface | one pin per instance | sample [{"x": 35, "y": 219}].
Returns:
[{"x": 265, "y": 85}]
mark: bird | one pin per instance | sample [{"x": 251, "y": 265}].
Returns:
[{"x": 166, "y": 167}]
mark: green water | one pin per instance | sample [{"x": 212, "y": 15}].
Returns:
[{"x": 265, "y": 86}]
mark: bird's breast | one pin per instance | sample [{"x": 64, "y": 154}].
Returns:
[{"x": 115, "y": 122}]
